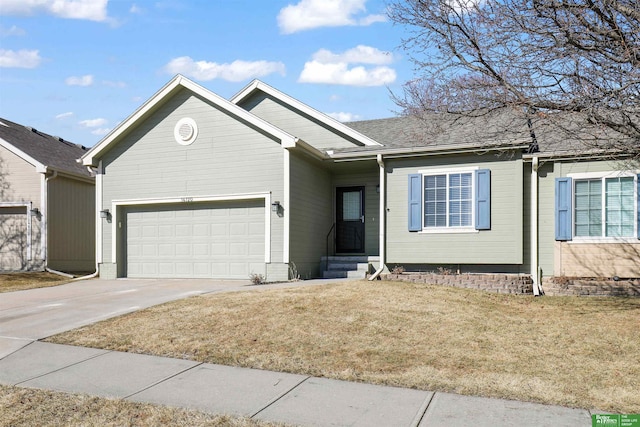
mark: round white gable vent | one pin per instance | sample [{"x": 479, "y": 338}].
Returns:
[{"x": 185, "y": 131}]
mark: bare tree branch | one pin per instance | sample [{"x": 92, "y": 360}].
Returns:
[{"x": 575, "y": 63}]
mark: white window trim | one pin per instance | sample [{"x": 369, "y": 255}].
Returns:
[
  {"x": 602, "y": 176},
  {"x": 447, "y": 172}
]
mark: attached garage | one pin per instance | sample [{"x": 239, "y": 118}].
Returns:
[{"x": 221, "y": 239}]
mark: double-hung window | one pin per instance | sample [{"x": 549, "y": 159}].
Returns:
[
  {"x": 449, "y": 201},
  {"x": 597, "y": 207}
]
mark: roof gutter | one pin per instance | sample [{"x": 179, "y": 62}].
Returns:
[
  {"x": 382, "y": 221},
  {"x": 421, "y": 151}
]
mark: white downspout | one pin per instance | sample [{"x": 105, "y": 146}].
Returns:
[
  {"x": 44, "y": 208},
  {"x": 98, "y": 171},
  {"x": 534, "y": 227},
  {"x": 45, "y": 224},
  {"x": 383, "y": 193}
]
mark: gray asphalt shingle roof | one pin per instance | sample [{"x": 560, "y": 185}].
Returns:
[
  {"x": 443, "y": 130},
  {"x": 554, "y": 134},
  {"x": 51, "y": 151}
]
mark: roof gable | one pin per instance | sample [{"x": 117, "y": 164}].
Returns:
[
  {"x": 329, "y": 122},
  {"x": 41, "y": 150},
  {"x": 175, "y": 85}
]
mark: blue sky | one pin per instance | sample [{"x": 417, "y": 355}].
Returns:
[{"x": 76, "y": 68}]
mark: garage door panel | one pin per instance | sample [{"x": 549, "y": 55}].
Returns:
[
  {"x": 217, "y": 240},
  {"x": 219, "y": 248},
  {"x": 200, "y": 250},
  {"x": 166, "y": 250}
]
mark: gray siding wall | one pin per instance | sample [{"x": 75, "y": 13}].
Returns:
[
  {"x": 294, "y": 122},
  {"x": 71, "y": 226},
  {"x": 311, "y": 213},
  {"x": 228, "y": 157},
  {"x": 502, "y": 244},
  {"x": 368, "y": 176},
  {"x": 19, "y": 182}
]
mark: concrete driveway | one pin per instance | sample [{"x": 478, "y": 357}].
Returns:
[
  {"x": 26, "y": 316},
  {"x": 33, "y": 314}
]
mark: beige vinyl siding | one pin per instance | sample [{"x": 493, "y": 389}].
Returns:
[
  {"x": 295, "y": 122},
  {"x": 311, "y": 213},
  {"x": 365, "y": 174},
  {"x": 19, "y": 183},
  {"x": 502, "y": 244},
  {"x": 71, "y": 225},
  {"x": 228, "y": 157},
  {"x": 576, "y": 258}
]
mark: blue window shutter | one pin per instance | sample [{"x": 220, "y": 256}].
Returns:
[
  {"x": 415, "y": 199},
  {"x": 483, "y": 199},
  {"x": 638, "y": 207},
  {"x": 563, "y": 209}
]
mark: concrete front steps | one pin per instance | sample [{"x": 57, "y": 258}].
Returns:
[{"x": 348, "y": 266}]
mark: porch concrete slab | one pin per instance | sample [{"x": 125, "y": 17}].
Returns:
[
  {"x": 37, "y": 359},
  {"x": 9, "y": 345},
  {"x": 111, "y": 374},
  {"x": 455, "y": 410},
  {"x": 324, "y": 402},
  {"x": 221, "y": 389}
]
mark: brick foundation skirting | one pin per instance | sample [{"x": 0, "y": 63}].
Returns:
[
  {"x": 591, "y": 286},
  {"x": 498, "y": 283}
]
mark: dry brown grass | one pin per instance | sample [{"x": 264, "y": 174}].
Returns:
[
  {"x": 578, "y": 352},
  {"x": 31, "y": 407},
  {"x": 10, "y": 282}
]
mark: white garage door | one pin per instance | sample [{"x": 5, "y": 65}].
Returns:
[{"x": 197, "y": 240}]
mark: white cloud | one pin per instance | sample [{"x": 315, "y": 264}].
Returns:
[
  {"x": 114, "y": 84},
  {"x": 13, "y": 31},
  {"x": 100, "y": 131},
  {"x": 64, "y": 115},
  {"x": 233, "y": 72},
  {"x": 308, "y": 14},
  {"x": 464, "y": 5},
  {"x": 19, "y": 59},
  {"x": 344, "y": 117},
  {"x": 93, "y": 123},
  {"x": 360, "y": 54},
  {"x": 135, "y": 9},
  {"x": 79, "y": 81},
  {"x": 92, "y": 10},
  {"x": 341, "y": 74},
  {"x": 334, "y": 68}
]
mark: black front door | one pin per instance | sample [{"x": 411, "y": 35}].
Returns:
[{"x": 350, "y": 220}]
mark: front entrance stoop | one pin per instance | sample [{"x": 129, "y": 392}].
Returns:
[{"x": 348, "y": 266}]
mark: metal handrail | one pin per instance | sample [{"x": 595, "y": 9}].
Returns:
[{"x": 327, "y": 239}]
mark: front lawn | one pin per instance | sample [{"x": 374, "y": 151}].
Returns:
[
  {"x": 10, "y": 282},
  {"x": 571, "y": 351},
  {"x": 32, "y": 407}
]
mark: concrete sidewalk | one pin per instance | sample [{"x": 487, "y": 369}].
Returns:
[{"x": 264, "y": 395}]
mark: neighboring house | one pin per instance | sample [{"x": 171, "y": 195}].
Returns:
[
  {"x": 193, "y": 185},
  {"x": 47, "y": 203}
]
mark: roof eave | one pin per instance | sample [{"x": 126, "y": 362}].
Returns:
[
  {"x": 89, "y": 159},
  {"x": 40, "y": 167},
  {"x": 426, "y": 150}
]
